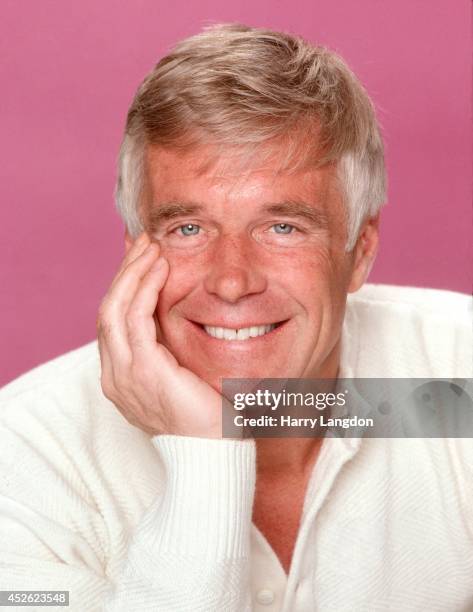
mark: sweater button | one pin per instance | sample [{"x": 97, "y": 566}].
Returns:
[{"x": 265, "y": 597}]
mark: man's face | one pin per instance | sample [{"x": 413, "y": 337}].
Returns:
[{"x": 260, "y": 252}]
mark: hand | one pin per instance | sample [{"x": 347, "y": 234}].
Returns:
[{"x": 139, "y": 375}]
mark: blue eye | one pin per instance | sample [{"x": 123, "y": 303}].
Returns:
[
  {"x": 283, "y": 228},
  {"x": 190, "y": 229}
]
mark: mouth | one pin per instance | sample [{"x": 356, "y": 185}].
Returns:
[{"x": 242, "y": 333}]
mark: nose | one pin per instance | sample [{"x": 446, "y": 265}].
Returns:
[{"x": 233, "y": 271}]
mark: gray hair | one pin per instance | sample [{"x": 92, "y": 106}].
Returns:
[{"x": 237, "y": 86}]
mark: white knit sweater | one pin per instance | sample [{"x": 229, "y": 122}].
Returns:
[{"x": 91, "y": 505}]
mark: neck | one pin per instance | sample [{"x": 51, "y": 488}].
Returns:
[
  {"x": 279, "y": 456},
  {"x": 295, "y": 456}
]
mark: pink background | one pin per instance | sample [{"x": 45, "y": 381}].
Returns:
[{"x": 67, "y": 76}]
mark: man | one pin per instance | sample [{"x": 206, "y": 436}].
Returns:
[{"x": 250, "y": 181}]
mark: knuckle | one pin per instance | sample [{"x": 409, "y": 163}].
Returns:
[
  {"x": 133, "y": 420},
  {"x": 102, "y": 316},
  {"x": 140, "y": 373},
  {"x": 104, "y": 328},
  {"x": 134, "y": 316},
  {"x": 103, "y": 308},
  {"x": 135, "y": 340},
  {"x": 123, "y": 383},
  {"x": 108, "y": 387}
]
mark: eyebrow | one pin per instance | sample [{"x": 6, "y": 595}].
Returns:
[
  {"x": 296, "y": 209},
  {"x": 299, "y": 210},
  {"x": 166, "y": 212}
]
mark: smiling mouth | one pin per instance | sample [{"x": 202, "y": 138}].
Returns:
[{"x": 244, "y": 333}]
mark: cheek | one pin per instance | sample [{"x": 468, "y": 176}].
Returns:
[
  {"x": 308, "y": 275},
  {"x": 318, "y": 281},
  {"x": 332, "y": 267},
  {"x": 185, "y": 275},
  {"x": 310, "y": 269}
]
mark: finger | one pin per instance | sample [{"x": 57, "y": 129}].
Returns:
[
  {"x": 137, "y": 248},
  {"x": 112, "y": 325},
  {"x": 107, "y": 376},
  {"x": 125, "y": 286},
  {"x": 115, "y": 354},
  {"x": 146, "y": 247},
  {"x": 140, "y": 317}
]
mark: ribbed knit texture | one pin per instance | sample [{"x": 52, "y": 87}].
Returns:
[
  {"x": 195, "y": 467},
  {"x": 90, "y": 504},
  {"x": 196, "y": 534}
]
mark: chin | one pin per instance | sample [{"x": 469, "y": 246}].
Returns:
[{"x": 213, "y": 373}]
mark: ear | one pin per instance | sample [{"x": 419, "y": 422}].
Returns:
[{"x": 365, "y": 252}]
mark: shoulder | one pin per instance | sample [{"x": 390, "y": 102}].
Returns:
[
  {"x": 59, "y": 391},
  {"x": 67, "y": 453},
  {"x": 60, "y": 399},
  {"x": 62, "y": 437},
  {"x": 427, "y": 302},
  {"x": 65, "y": 396},
  {"x": 80, "y": 367},
  {"x": 58, "y": 413},
  {"x": 409, "y": 332}
]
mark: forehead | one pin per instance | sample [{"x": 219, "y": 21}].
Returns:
[{"x": 210, "y": 176}]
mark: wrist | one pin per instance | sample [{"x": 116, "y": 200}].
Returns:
[{"x": 208, "y": 501}]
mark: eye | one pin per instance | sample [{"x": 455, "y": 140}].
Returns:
[
  {"x": 190, "y": 229},
  {"x": 283, "y": 228},
  {"x": 191, "y": 235}
]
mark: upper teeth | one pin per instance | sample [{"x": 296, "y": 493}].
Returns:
[{"x": 226, "y": 333}]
